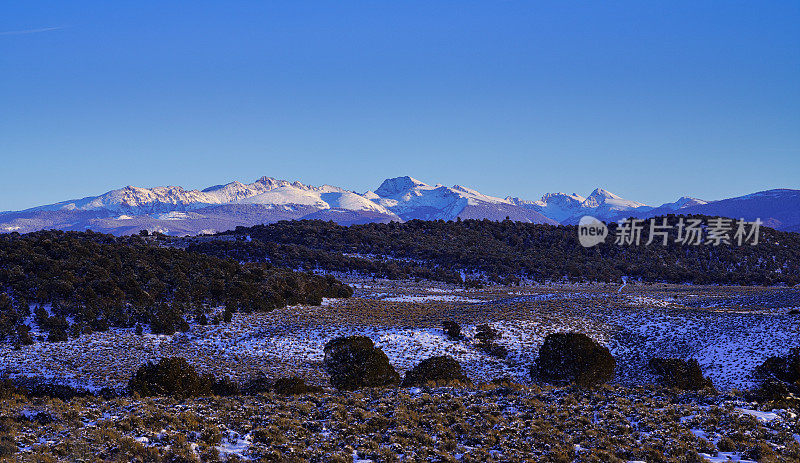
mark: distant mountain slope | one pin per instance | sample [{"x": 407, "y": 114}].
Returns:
[
  {"x": 779, "y": 209},
  {"x": 178, "y": 211}
]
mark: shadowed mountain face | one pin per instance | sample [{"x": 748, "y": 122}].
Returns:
[
  {"x": 177, "y": 211},
  {"x": 779, "y": 209}
]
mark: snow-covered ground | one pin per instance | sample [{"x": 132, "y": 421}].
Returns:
[{"x": 404, "y": 319}]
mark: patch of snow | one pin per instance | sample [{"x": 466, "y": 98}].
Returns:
[
  {"x": 431, "y": 298},
  {"x": 760, "y": 416}
]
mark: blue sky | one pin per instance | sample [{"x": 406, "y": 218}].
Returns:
[{"x": 651, "y": 100}]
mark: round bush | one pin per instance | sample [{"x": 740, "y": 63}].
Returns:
[
  {"x": 780, "y": 379},
  {"x": 354, "y": 362},
  {"x": 57, "y": 334},
  {"x": 680, "y": 374},
  {"x": 452, "y": 329},
  {"x": 170, "y": 376},
  {"x": 573, "y": 358},
  {"x": 786, "y": 369},
  {"x": 440, "y": 370}
]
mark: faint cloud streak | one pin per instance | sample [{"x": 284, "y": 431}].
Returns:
[{"x": 32, "y": 31}]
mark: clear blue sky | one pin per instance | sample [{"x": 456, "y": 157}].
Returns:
[{"x": 648, "y": 99}]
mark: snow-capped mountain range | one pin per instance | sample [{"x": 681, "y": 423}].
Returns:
[{"x": 175, "y": 210}]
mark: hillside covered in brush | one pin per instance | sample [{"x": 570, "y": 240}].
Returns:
[
  {"x": 507, "y": 251},
  {"x": 90, "y": 281}
]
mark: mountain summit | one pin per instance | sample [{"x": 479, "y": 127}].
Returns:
[{"x": 398, "y": 186}]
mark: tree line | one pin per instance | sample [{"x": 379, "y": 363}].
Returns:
[
  {"x": 507, "y": 252},
  {"x": 75, "y": 282}
]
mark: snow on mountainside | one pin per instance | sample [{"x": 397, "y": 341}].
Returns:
[
  {"x": 411, "y": 199},
  {"x": 264, "y": 191},
  {"x": 607, "y": 199},
  {"x": 569, "y": 208},
  {"x": 175, "y": 210},
  {"x": 683, "y": 202},
  {"x": 557, "y": 206}
]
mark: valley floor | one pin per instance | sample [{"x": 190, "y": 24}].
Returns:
[{"x": 730, "y": 330}]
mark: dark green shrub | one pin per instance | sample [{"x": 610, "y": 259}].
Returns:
[
  {"x": 726, "y": 444},
  {"x": 294, "y": 385},
  {"x": 8, "y": 446},
  {"x": 680, "y": 374},
  {"x": 166, "y": 320},
  {"x": 39, "y": 387},
  {"x": 39, "y": 417},
  {"x": 761, "y": 452},
  {"x": 440, "y": 370},
  {"x": 486, "y": 336},
  {"x": 76, "y": 330},
  {"x": 495, "y": 350},
  {"x": 780, "y": 378},
  {"x": 24, "y": 335},
  {"x": 257, "y": 385},
  {"x": 8, "y": 390},
  {"x": 170, "y": 376},
  {"x": 573, "y": 358},
  {"x": 101, "y": 324},
  {"x": 225, "y": 387},
  {"x": 786, "y": 369},
  {"x": 452, "y": 330},
  {"x": 57, "y": 334},
  {"x": 354, "y": 362}
]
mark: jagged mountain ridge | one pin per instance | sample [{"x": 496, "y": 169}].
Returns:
[{"x": 178, "y": 211}]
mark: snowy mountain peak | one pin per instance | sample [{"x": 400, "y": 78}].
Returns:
[
  {"x": 605, "y": 198},
  {"x": 600, "y": 195},
  {"x": 210, "y": 189},
  {"x": 561, "y": 198},
  {"x": 687, "y": 201},
  {"x": 398, "y": 186}
]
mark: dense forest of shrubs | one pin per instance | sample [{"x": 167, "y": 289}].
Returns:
[
  {"x": 299, "y": 256},
  {"x": 90, "y": 281},
  {"x": 507, "y": 252}
]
